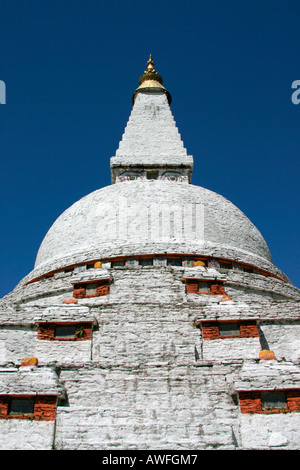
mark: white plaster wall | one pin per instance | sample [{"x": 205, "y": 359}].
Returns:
[
  {"x": 19, "y": 343},
  {"x": 246, "y": 348},
  {"x": 16, "y": 344},
  {"x": 270, "y": 432},
  {"x": 53, "y": 351},
  {"x": 153, "y": 407},
  {"x": 18, "y": 434},
  {"x": 284, "y": 339}
]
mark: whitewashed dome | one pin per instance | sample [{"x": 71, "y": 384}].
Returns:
[{"x": 152, "y": 217}]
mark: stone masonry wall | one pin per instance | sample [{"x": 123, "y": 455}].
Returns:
[
  {"x": 146, "y": 377},
  {"x": 147, "y": 407}
]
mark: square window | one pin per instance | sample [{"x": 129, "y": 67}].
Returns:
[
  {"x": 225, "y": 265},
  {"x": 152, "y": 175},
  {"x": 174, "y": 262},
  {"x": 203, "y": 287},
  {"x": 65, "y": 331},
  {"x": 23, "y": 406},
  {"x": 146, "y": 262},
  {"x": 118, "y": 263},
  {"x": 229, "y": 329},
  {"x": 69, "y": 270},
  {"x": 91, "y": 289},
  {"x": 273, "y": 400}
]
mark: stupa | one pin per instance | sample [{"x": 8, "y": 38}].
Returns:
[{"x": 154, "y": 317}]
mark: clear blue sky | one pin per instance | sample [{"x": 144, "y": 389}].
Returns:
[{"x": 70, "y": 68}]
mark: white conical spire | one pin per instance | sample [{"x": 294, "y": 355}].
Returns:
[{"x": 151, "y": 139}]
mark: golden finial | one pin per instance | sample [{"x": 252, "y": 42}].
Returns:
[
  {"x": 150, "y": 73},
  {"x": 150, "y": 65},
  {"x": 151, "y": 81}
]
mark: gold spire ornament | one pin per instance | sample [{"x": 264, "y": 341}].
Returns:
[
  {"x": 150, "y": 73},
  {"x": 151, "y": 82}
]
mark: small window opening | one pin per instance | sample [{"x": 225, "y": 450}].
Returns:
[
  {"x": 146, "y": 262},
  {"x": 118, "y": 263},
  {"x": 65, "y": 331},
  {"x": 203, "y": 287},
  {"x": 225, "y": 265},
  {"x": 91, "y": 289},
  {"x": 23, "y": 406},
  {"x": 229, "y": 329},
  {"x": 69, "y": 270},
  {"x": 152, "y": 175},
  {"x": 174, "y": 262},
  {"x": 273, "y": 399}
]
